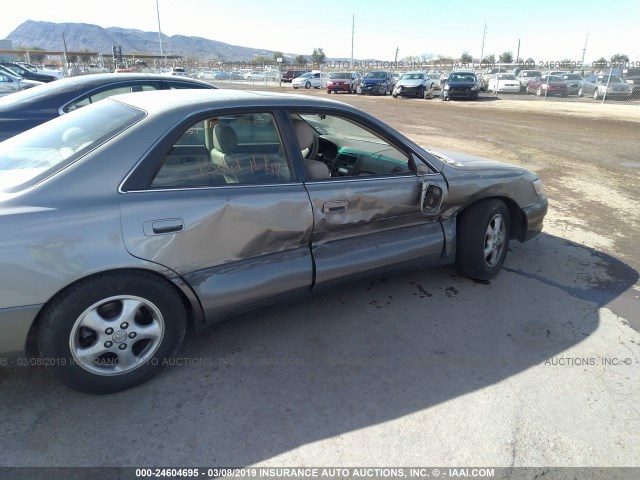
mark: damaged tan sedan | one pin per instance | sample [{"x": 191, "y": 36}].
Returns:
[{"x": 129, "y": 219}]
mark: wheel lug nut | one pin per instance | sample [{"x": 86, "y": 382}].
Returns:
[
  {"x": 109, "y": 331},
  {"x": 124, "y": 325},
  {"x": 122, "y": 346},
  {"x": 108, "y": 344},
  {"x": 132, "y": 335}
]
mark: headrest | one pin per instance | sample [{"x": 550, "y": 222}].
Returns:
[
  {"x": 225, "y": 138},
  {"x": 304, "y": 132}
]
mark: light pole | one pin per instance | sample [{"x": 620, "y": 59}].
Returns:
[{"x": 159, "y": 31}]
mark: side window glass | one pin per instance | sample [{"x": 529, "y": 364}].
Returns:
[
  {"x": 336, "y": 147},
  {"x": 108, "y": 92},
  {"x": 233, "y": 149}
]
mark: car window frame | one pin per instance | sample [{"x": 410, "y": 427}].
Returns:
[
  {"x": 370, "y": 126},
  {"x": 141, "y": 175},
  {"x": 124, "y": 82}
]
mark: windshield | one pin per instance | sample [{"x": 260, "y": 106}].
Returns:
[
  {"x": 343, "y": 76},
  {"x": 412, "y": 76},
  {"x": 44, "y": 150},
  {"x": 572, "y": 76},
  {"x": 462, "y": 77},
  {"x": 551, "y": 78},
  {"x": 375, "y": 75},
  {"x": 531, "y": 73},
  {"x": 506, "y": 76},
  {"x": 305, "y": 75}
]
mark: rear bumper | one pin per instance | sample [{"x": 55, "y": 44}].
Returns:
[
  {"x": 534, "y": 218},
  {"x": 14, "y": 327}
]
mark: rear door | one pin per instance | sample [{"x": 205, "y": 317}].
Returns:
[{"x": 238, "y": 243}]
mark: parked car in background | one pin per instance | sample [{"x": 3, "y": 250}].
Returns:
[
  {"x": 435, "y": 78},
  {"x": 56, "y": 74},
  {"x": 26, "y": 73},
  {"x": 221, "y": 76},
  {"x": 487, "y": 75},
  {"x": 377, "y": 83},
  {"x": 414, "y": 84},
  {"x": 573, "y": 81},
  {"x": 632, "y": 77},
  {"x": 206, "y": 74},
  {"x": 525, "y": 76},
  {"x": 178, "y": 72},
  {"x": 599, "y": 85},
  {"x": 461, "y": 85},
  {"x": 125, "y": 221},
  {"x": 342, "y": 82},
  {"x": 289, "y": 75},
  {"x": 548, "y": 85},
  {"x": 26, "y": 109},
  {"x": 307, "y": 80},
  {"x": 10, "y": 83},
  {"x": 503, "y": 83}
]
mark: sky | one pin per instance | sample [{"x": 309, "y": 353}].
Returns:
[{"x": 547, "y": 31}]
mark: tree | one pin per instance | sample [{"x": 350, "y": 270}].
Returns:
[
  {"x": 601, "y": 62},
  {"x": 261, "y": 59},
  {"x": 466, "y": 57},
  {"x": 318, "y": 55},
  {"x": 619, "y": 58},
  {"x": 489, "y": 59},
  {"x": 300, "y": 60},
  {"x": 277, "y": 55},
  {"x": 506, "y": 57}
]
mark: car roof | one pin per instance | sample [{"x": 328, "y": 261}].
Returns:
[
  {"x": 69, "y": 87},
  {"x": 161, "y": 100}
]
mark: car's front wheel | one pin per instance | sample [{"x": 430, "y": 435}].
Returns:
[
  {"x": 596, "y": 94},
  {"x": 112, "y": 331},
  {"x": 483, "y": 232},
  {"x": 580, "y": 92},
  {"x": 307, "y": 85}
]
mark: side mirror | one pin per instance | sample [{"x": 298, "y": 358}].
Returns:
[{"x": 431, "y": 198}]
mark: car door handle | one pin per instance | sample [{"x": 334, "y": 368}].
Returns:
[
  {"x": 161, "y": 227},
  {"x": 335, "y": 207}
]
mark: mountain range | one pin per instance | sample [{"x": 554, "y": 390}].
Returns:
[{"x": 87, "y": 37}]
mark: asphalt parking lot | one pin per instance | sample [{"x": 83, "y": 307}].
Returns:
[{"x": 539, "y": 367}]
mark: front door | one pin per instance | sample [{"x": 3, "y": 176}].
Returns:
[{"x": 367, "y": 213}]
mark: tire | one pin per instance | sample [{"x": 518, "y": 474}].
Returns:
[
  {"x": 295, "y": 88},
  {"x": 539, "y": 92},
  {"x": 307, "y": 85},
  {"x": 421, "y": 93},
  {"x": 112, "y": 331},
  {"x": 483, "y": 232},
  {"x": 580, "y": 92},
  {"x": 595, "y": 94},
  {"x": 329, "y": 92}
]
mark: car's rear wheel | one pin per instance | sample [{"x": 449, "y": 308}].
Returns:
[
  {"x": 307, "y": 85},
  {"x": 483, "y": 232},
  {"x": 580, "y": 92},
  {"x": 112, "y": 331},
  {"x": 539, "y": 91},
  {"x": 595, "y": 94}
]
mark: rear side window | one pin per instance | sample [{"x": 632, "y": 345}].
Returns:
[
  {"x": 118, "y": 89},
  {"x": 231, "y": 149},
  {"x": 36, "y": 154}
]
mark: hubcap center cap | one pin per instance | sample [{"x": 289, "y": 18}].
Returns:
[{"x": 120, "y": 336}]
